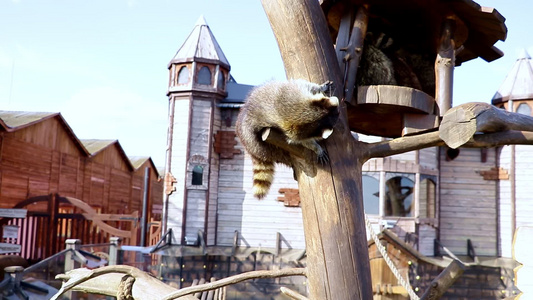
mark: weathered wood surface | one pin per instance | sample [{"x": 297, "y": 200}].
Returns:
[
  {"x": 337, "y": 254},
  {"x": 460, "y": 123},
  {"x": 349, "y": 54},
  {"x": 445, "y": 279},
  {"x": 401, "y": 97},
  {"x": 400, "y": 110},
  {"x": 444, "y": 66},
  {"x": 46, "y": 158},
  {"x": 478, "y": 28}
]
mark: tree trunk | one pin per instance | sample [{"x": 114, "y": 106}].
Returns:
[{"x": 337, "y": 251}]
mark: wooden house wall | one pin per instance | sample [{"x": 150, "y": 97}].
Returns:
[
  {"x": 504, "y": 197},
  {"x": 524, "y": 191},
  {"x": 257, "y": 221},
  {"x": 428, "y": 157},
  {"x": 43, "y": 158},
  {"x": 50, "y": 134},
  {"x": 111, "y": 157},
  {"x": 179, "y": 162},
  {"x": 468, "y": 203},
  {"x": 200, "y": 138},
  {"x": 524, "y": 186},
  {"x": 426, "y": 236},
  {"x": 213, "y": 184}
]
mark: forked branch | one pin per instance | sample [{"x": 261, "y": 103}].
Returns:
[{"x": 111, "y": 281}]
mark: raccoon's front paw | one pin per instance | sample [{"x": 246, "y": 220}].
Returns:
[
  {"x": 323, "y": 158},
  {"x": 326, "y": 87}
]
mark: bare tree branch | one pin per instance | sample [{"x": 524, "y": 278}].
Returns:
[
  {"x": 292, "y": 294},
  {"x": 401, "y": 145},
  {"x": 236, "y": 279},
  {"x": 106, "y": 281}
]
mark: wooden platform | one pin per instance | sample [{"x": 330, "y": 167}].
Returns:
[{"x": 392, "y": 111}]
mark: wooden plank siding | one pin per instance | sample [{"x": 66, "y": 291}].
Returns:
[
  {"x": 257, "y": 221},
  {"x": 468, "y": 203},
  {"x": 213, "y": 183},
  {"x": 180, "y": 137},
  {"x": 200, "y": 144},
  {"x": 523, "y": 194},
  {"x": 45, "y": 158}
]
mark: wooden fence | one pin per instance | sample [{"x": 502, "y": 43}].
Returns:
[{"x": 42, "y": 234}]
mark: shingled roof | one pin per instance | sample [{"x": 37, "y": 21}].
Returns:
[
  {"x": 518, "y": 85},
  {"x": 11, "y": 121},
  {"x": 201, "y": 45}
]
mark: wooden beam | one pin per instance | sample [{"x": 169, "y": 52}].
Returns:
[
  {"x": 460, "y": 123},
  {"x": 445, "y": 279}
]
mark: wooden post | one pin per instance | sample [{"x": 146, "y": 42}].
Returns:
[
  {"x": 70, "y": 262},
  {"x": 113, "y": 250},
  {"x": 335, "y": 235},
  {"x": 444, "y": 66}
]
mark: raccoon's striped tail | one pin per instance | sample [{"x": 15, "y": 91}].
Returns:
[{"x": 263, "y": 177}]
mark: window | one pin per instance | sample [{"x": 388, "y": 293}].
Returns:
[
  {"x": 371, "y": 195},
  {"x": 197, "y": 175},
  {"x": 204, "y": 76},
  {"x": 399, "y": 197},
  {"x": 221, "y": 81},
  {"x": 524, "y": 109},
  {"x": 183, "y": 75}
]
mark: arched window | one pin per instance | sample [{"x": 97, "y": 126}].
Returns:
[
  {"x": 197, "y": 175},
  {"x": 399, "y": 197},
  {"x": 427, "y": 198},
  {"x": 371, "y": 195},
  {"x": 204, "y": 76},
  {"x": 221, "y": 81},
  {"x": 183, "y": 75},
  {"x": 524, "y": 109}
]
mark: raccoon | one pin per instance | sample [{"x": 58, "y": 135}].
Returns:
[{"x": 302, "y": 111}]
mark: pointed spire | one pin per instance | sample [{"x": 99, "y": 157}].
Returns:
[
  {"x": 518, "y": 85},
  {"x": 523, "y": 54},
  {"x": 201, "y": 44},
  {"x": 201, "y": 21}
]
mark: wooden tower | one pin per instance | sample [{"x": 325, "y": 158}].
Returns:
[{"x": 198, "y": 74}]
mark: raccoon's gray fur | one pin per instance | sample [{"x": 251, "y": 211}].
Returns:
[
  {"x": 376, "y": 68},
  {"x": 299, "y": 109}
]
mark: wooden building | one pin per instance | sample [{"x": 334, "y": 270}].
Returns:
[
  {"x": 465, "y": 201},
  {"x": 212, "y": 175},
  {"x": 43, "y": 164}
]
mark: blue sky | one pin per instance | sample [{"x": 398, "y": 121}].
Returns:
[{"x": 103, "y": 64}]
